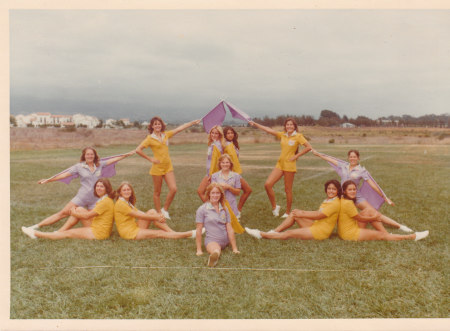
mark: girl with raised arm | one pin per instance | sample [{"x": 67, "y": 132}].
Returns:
[
  {"x": 317, "y": 225},
  {"x": 290, "y": 140},
  {"x": 89, "y": 170},
  {"x": 353, "y": 171},
  {"x": 162, "y": 169},
  {"x": 97, "y": 223},
  {"x": 133, "y": 224}
]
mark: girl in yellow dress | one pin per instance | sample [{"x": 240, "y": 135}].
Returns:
[
  {"x": 133, "y": 224},
  {"x": 316, "y": 225},
  {"x": 97, "y": 223},
  {"x": 290, "y": 140},
  {"x": 216, "y": 146},
  {"x": 232, "y": 149},
  {"x": 351, "y": 224},
  {"x": 162, "y": 169}
]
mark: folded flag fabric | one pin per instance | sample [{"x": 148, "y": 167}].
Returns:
[
  {"x": 366, "y": 190},
  {"x": 107, "y": 171},
  {"x": 215, "y": 117},
  {"x": 237, "y": 113}
]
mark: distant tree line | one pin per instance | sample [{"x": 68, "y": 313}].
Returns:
[{"x": 330, "y": 118}]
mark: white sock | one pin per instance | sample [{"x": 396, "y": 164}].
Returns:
[
  {"x": 421, "y": 235},
  {"x": 404, "y": 228}
]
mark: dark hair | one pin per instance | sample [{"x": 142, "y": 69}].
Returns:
[
  {"x": 152, "y": 121},
  {"x": 344, "y": 188},
  {"x": 353, "y": 151},
  {"x": 83, "y": 156},
  {"x": 336, "y": 184},
  {"x": 109, "y": 190},
  {"x": 235, "y": 138},
  {"x": 132, "y": 199},
  {"x": 293, "y": 122}
]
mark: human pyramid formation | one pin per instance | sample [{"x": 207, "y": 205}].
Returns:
[{"x": 219, "y": 214}]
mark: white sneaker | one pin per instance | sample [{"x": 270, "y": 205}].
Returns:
[
  {"x": 29, "y": 232},
  {"x": 404, "y": 228},
  {"x": 34, "y": 227},
  {"x": 285, "y": 215},
  {"x": 421, "y": 235},
  {"x": 213, "y": 258},
  {"x": 165, "y": 213},
  {"x": 238, "y": 215},
  {"x": 276, "y": 211},
  {"x": 254, "y": 233},
  {"x": 203, "y": 230},
  {"x": 194, "y": 234},
  {"x": 271, "y": 231}
]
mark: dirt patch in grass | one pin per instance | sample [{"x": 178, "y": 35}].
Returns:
[{"x": 54, "y": 138}]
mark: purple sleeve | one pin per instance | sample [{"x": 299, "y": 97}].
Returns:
[
  {"x": 365, "y": 174},
  {"x": 200, "y": 215},
  {"x": 74, "y": 169},
  {"x": 237, "y": 183},
  {"x": 227, "y": 216}
]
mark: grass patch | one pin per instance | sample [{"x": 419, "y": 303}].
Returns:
[{"x": 163, "y": 279}]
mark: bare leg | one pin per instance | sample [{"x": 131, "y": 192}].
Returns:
[
  {"x": 157, "y": 184},
  {"x": 214, "y": 251},
  {"x": 172, "y": 185},
  {"x": 78, "y": 233},
  {"x": 71, "y": 222},
  {"x": 302, "y": 233},
  {"x": 153, "y": 234},
  {"x": 202, "y": 188},
  {"x": 386, "y": 220},
  {"x": 366, "y": 234},
  {"x": 288, "y": 183},
  {"x": 369, "y": 211},
  {"x": 247, "y": 191},
  {"x": 56, "y": 217},
  {"x": 274, "y": 177}
]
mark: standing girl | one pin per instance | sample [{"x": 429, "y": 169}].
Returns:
[
  {"x": 215, "y": 218},
  {"x": 232, "y": 149},
  {"x": 158, "y": 141},
  {"x": 290, "y": 140}
]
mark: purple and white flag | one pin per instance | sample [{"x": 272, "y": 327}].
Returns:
[
  {"x": 107, "y": 171},
  {"x": 215, "y": 117},
  {"x": 366, "y": 190},
  {"x": 237, "y": 113}
]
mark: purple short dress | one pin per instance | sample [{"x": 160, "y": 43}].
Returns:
[{"x": 214, "y": 223}]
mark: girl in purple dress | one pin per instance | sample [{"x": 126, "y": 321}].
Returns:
[{"x": 215, "y": 218}]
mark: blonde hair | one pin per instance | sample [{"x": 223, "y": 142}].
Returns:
[
  {"x": 211, "y": 187},
  {"x": 221, "y": 138},
  {"x": 225, "y": 156}
]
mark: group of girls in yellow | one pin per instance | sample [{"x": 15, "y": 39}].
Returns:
[{"x": 219, "y": 214}]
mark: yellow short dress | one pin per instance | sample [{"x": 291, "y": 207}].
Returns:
[
  {"x": 126, "y": 225},
  {"x": 102, "y": 224},
  {"x": 288, "y": 147},
  {"x": 322, "y": 229},
  {"x": 348, "y": 228},
  {"x": 231, "y": 150},
  {"x": 160, "y": 149}
]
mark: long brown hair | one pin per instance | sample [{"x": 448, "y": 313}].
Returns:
[
  {"x": 106, "y": 183},
  {"x": 132, "y": 199},
  {"x": 235, "y": 138},
  {"x": 344, "y": 188},
  {"x": 152, "y": 121},
  {"x": 83, "y": 156},
  {"x": 293, "y": 122}
]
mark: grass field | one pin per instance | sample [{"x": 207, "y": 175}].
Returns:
[{"x": 163, "y": 279}]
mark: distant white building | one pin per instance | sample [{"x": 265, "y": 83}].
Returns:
[
  {"x": 110, "y": 123},
  {"x": 87, "y": 120},
  {"x": 126, "y": 121},
  {"x": 61, "y": 119},
  {"x": 347, "y": 125}
]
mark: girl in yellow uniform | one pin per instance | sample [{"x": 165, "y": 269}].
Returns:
[
  {"x": 216, "y": 146},
  {"x": 290, "y": 140},
  {"x": 158, "y": 141},
  {"x": 97, "y": 223},
  {"x": 316, "y": 225},
  {"x": 133, "y": 224},
  {"x": 351, "y": 224},
  {"x": 232, "y": 149}
]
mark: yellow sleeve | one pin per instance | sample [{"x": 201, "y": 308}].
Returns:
[
  {"x": 331, "y": 208},
  {"x": 169, "y": 134},
  {"x": 279, "y": 135},
  {"x": 122, "y": 207},
  {"x": 350, "y": 208},
  {"x": 146, "y": 142},
  {"x": 101, "y": 206},
  {"x": 301, "y": 139}
]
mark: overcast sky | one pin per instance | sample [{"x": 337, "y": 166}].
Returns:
[{"x": 180, "y": 64}]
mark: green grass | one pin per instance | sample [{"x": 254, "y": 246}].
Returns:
[{"x": 163, "y": 279}]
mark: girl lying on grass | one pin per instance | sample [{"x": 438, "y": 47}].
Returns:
[
  {"x": 351, "y": 224},
  {"x": 316, "y": 225},
  {"x": 97, "y": 223},
  {"x": 133, "y": 224},
  {"x": 214, "y": 217}
]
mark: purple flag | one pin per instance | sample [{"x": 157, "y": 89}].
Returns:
[
  {"x": 366, "y": 190},
  {"x": 107, "y": 171},
  {"x": 214, "y": 117},
  {"x": 237, "y": 113}
]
